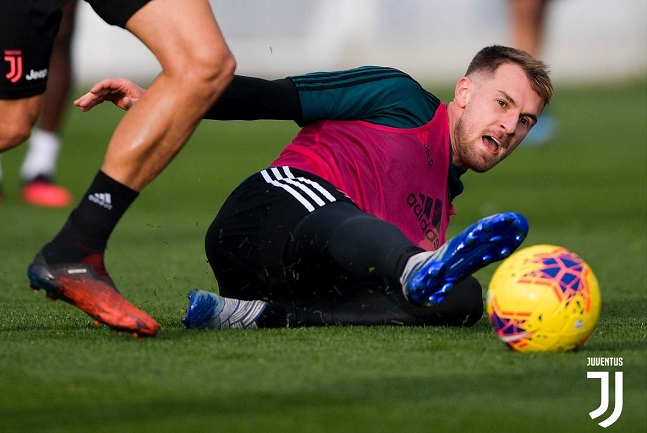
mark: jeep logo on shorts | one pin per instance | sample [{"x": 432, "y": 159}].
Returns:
[{"x": 36, "y": 75}]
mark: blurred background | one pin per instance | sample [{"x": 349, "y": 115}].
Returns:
[{"x": 432, "y": 40}]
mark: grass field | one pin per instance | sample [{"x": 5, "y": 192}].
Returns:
[{"x": 58, "y": 373}]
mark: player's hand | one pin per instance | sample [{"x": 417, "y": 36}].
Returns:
[{"x": 120, "y": 91}]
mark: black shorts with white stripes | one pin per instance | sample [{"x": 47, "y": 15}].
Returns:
[{"x": 246, "y": 242}]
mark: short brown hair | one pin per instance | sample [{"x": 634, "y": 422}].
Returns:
[{"x": 490, "y": 58}]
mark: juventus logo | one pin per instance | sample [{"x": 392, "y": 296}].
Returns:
[
  {"x": 604, "y": 396},
  {"x": 14, "y": 57}
]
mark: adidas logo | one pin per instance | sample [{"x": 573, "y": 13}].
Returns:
[
  {"x": 102, "y": 199},
  {"x": 428, "y": 212}
]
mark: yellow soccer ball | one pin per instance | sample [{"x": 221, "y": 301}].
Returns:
[{"x": 543, "y": 298}]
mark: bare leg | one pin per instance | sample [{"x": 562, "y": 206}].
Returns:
[
  {"x": 527, "y": 20},
  {"x": 527, "y": 29},
  {"x": 197, "y": 67},
  {"x": 60, "y": 73},
  {"x": 39, "y": 167},
  {"x": 18, "y": 116}
]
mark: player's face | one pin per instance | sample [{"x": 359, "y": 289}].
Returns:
[{"x": 497, "y": 114}]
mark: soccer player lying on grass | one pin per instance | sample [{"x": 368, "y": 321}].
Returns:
[{"x": 347, "y": 225}]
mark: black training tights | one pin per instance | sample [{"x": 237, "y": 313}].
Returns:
[
  {"x": 363, "y": 250},
  {"x": 362, "y": 244}
]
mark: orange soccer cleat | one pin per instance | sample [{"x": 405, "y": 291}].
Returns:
[
  {"x": 90, "y": 288},
  {"x": 41, "y": 192}
]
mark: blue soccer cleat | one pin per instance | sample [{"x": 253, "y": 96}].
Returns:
[
  {"x": 428, "y": 276},
  {"x": 208, "y": 310}
]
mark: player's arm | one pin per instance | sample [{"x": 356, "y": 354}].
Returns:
[
  {"x": 246, "y": 98},
  {"x": 375, "y": 94},
  {"x": 249, "y": 98}
]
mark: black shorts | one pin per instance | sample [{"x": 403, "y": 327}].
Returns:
[
  {"x": 27, "y": 32},
  {"x": 246, "y": 242}
]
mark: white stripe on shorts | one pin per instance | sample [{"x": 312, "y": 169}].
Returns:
[{"x": 309, "y": 193}]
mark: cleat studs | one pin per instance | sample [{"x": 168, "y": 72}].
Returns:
[{"x": 96, "y": 323}]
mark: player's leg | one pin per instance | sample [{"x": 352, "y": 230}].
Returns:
[
  {"x": 429, "y": 276},
  {"x": 366, "y": 247},
  {"x": 437, "y": 287},
  {"x": 371, "y": 305},
  {"x": 527, "y": 19},
  {"x": 371, "y": 257},
  {"x": 338, "y": 265},
  {"x": 357, "y": 243},
  {"x": 527, "y": 33},
  {"x": 38, "y": 170},
  {"x": 196, "y": 68},
  {"x": 245, "y": 247},
  {"x": 27, "y": 31},
  {"x": 16, "y": 119}
]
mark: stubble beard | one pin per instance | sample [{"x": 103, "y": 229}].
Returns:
[{"x": 466, "y": 150}]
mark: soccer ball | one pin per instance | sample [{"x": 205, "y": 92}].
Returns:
[{"x": 543, "y": 298}]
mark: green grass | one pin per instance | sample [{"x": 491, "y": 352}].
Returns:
[{"x": 58, "y": 373}]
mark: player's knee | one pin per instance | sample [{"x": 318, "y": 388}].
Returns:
[
  {"x": 222, "y": 248},
  {"x": 218, "y": 74},
  {"x": 213, "y": 245},
  {"x": 12, "y": 134},
  {"x": 17, "y": 117},
  {"x": 208, "y": 72}
]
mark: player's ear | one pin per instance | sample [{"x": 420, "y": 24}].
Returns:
[{"x": 462, "y": 90}]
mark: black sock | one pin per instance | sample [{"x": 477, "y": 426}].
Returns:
[
  {"x": 89, "y": 226},
  {"x": 275, "y": 315}
]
